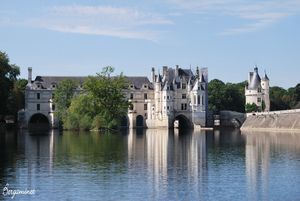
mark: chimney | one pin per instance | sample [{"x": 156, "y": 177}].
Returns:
[
  {"x": 29, "y": 75},
  {"x": 165, "y": 69},
  {"x": 153, "y": 74},
  {"x": 177, "y": 71}
]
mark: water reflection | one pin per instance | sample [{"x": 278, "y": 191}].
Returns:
[
  {"x": 265, "y": 154},
  {"x": 152, "y": 164}
]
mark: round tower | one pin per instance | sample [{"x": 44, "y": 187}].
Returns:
[{"x": 265, "y": 85}]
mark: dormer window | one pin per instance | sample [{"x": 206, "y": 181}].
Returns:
[
  {"x": 183, "y": 86},
  {"x": 259, "y": 90},
  {"x": 38, "y": 86},
  {"x": 145, "y": 86},
  {"x": 53, "y": 86},
  {"x": 131, "y": 86}
]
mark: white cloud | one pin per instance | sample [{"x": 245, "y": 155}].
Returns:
[
  {"x": 254, "y": 14},
  {"x": 102, "y": 20}
]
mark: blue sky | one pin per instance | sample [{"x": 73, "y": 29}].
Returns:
[{"x": 62, "y": 37}]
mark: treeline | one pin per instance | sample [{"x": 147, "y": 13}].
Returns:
[
  {"x": 100, "y": 104},
  {"x": 11, "y": 88},
  {"x": 231, "y": 96}
]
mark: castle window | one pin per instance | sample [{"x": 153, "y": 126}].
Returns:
[
  {"x": 168, "y": 97},
  {"x": 259, "y": 90},
  {"x": 183, "y": 96},
  {"x": 53, "y": 107},
  {"x": 52, "y": 96},
  {"x": 131, "y": 96},
  {"x": 145, "y": 86},
  {"x": 131, "y": 86},
  {"x": 178, "y": 86},
  {"x": 183, "y": 86},
  {"x": 145, "y": 96},
  {"x": 145, "y": 106},
  {"x": 168, "y": 107},
  {"x": 258, "y": 100},
  {"x": 202, "y": 100},
  {"x": 183, "y": 106},
  {"x": 53, "y": 86},
  {"x": 38, "y": 106},
  {"x": 198, "y": 100},
  {"x": 38, "y": 86},
  {"x": 131, "y": 107},
  {"x": 38, "y": 96}
]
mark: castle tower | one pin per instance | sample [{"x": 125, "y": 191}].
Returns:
[
  {"x": 257, "y": 91},
  {"x": 265, "y": 85}
]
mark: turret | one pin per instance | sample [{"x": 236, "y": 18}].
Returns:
[
  {"x": 153, "y": 75},
  {"x": 29, "y": 75},
  {"x": 265, "y": 85}
]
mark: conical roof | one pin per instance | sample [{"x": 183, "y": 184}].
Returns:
[{"x": 255, "y": 81}]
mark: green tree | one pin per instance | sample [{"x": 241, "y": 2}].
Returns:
[
  {"x": 63, "y": 95},
  {"x": 279, "y": 99},
  {"x": 216, "y": 93},
  {"x": 109, "y": 100},
  {"x": 251, "y": 107},
  {"x": 16, "y": 97},
  {"x": 228, "y": 96},
  {"x": 80, "y": 114},
  {"x": 8, "y": 75}
]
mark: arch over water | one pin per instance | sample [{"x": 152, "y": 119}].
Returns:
[
  {"x": 38, "y": 121},
  {"x": 182, "y": 122},
  {"x": 139, "y": 121}
]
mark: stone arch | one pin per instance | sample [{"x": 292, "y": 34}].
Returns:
[
  {"x": 139, "y": 121},
  {"x": 182, "y": 122},
  {"x": 38, "y": 121},
  {"x": 236, "y": 122},
  {"x": 124, "y": 122}
]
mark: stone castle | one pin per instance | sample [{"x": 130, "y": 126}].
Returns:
[
  {"x": 174, "y": 97},
  {"x": 257, "y": 90}
]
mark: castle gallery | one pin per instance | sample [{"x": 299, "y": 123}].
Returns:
[{"x": 175, "y": 97}]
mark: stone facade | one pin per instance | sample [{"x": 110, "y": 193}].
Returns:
[
  {"x": 174, "y": 95},
  {"x": 257, "y": 90}
]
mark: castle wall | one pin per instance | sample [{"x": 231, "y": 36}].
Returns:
[{"x": 288, "y": 120}]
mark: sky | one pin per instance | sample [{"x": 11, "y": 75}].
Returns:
[{"x": 229, "y": 37}]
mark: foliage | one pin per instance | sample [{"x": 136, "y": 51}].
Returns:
[
  {"x": 100, "y": 104},
  {"x": 80, "y": 113},
  {"x": 8, "y": 76},
  {"x": 109, "y": 101},
  {"x": 63, "y": 96},
  {"x": 228, "y": 96},
  {"x": 16, "y": 97},
  {"x": 251, "y": 107}
]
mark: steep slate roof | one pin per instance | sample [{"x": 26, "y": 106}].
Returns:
[
  {"x": 255, "y": 81},
  {"x": 138, "y": 82},
  {"x": 47, "y": 81},
  {"x": 265, "y": 77}
]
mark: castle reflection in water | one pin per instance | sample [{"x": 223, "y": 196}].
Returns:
[{"x": 160, "y": 164}]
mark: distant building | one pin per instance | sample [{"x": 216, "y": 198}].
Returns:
[
  {"x": 174, "y": 96},
  {"x": 257, "y": 90}
]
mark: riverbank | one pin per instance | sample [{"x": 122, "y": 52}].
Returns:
[{"x": 275, "y": 121}]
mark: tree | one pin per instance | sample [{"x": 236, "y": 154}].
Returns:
[
  {"x": 251, "y": 107},
  {"x": 109, "y": 100},
  {"x": 279, "y": 99},
  {"x": 62, "y": 97},
  {"x": 8, "y": 75},
  {"x": 226, "y": 96},
  {"x": 80, "y": 114},
  {"x": 16, "y": 97},
  {"x": 216, "y": 93}
]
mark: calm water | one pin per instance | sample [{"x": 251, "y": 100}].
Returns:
[{"x": 151, "y": 165}]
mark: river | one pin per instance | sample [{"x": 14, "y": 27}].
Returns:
[{"x": 150, "y": 165}]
